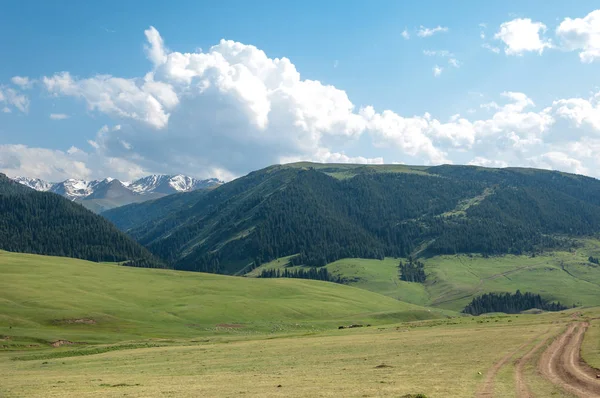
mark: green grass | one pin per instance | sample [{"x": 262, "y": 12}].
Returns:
[
  {"x": 344, "y": 170},
  {"x": 42, "y": 296},
  {"x": 452, "y": 281},
  {"x": 591, "y": 345},
  {"x": 438, "y": 358},
  {"x": 161, "y": 333}
]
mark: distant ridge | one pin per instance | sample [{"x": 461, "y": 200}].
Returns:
[
  {"x": 101, "y": 195},
  {"x": 45, "y": 223}
]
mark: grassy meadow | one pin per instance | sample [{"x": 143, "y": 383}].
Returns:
[
  {"x": 52, "y": 297},
  {"x": 453, "y": 280},
  {"x": 438, "y": 358},
  {"x": 121, "y": 331}
]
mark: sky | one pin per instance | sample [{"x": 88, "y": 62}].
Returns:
[{"x": 124, "y": 89}]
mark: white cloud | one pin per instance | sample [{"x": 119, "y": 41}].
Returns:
[
  {"x": 437, "y": 70},
  {"x": 405, "y": 34},
  {"x": 10, "y": 97},
  {"x": 437, "y": 53},
  {"x": 51, "y": 165},
  {"x": 22, "y": 81},
  {"x": 484, "y": 162},
  {"x": 142, "y": 100},
  {"x": 493, "y": 49},
  {"x": 428, "y": 32},
  {"x": 583, "y": 35},
  {"x": 522, "y": 35},
  {"x": 325, "y": 156},
  {"x": 6, "y": 109},
  {"x": 454, "y": 62},
  {"x": 232, "y": 109},
  {"x": 482, "y": 27},
  {"x": 558, "y": 161},
  {"x": 58, "y": 116}
]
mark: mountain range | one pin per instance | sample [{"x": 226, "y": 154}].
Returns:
[
  {"x": 45, "y": 223},
  {"x": 320, "y": 213},
  {"x": 101, "y": 195}
]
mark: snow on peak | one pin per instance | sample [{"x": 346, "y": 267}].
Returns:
[
  {"x": 156, "y": 183},
  {"x": 34, "y": 183}
]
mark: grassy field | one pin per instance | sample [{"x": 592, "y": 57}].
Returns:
[
  {"x": 143, "y": 332},
  {"x": 452, "y": 281},
  {"x": 439, "y": 358},
  {"x": 54, "y": 298}
]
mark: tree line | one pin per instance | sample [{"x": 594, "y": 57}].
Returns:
[
  {"x": 320, "y": 274},
  {"x": 510, "y": 303}
]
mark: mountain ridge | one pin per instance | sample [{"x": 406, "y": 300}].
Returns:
[
  {"x": 101, "y": 195},
  {"x": 323, "y": 212}
]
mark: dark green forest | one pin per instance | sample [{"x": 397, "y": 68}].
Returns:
[
  {"x": 510, "y": 303},
  {"x": 412, "y": 271},
  {"x": 46, "y": 223},
  {"x": 372, "y": 213},
  {"x": 320, "y": 274}
]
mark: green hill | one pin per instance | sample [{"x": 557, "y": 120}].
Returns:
[
  {"x": 56, "y": 298},
  {"x": 454, "y": 280},
  {"x": 326, "y": 212},
  {"x": 46, "y": 223}
]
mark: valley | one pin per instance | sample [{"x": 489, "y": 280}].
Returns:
[
  {"x": 183, "y": 295},
  {"x": 153, "y": 332}
]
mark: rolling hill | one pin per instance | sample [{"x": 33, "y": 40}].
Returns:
[
  {"x": 46, "y": 223},
  {"x": 324, "y": 212},
  {"x": 62, "y": 298}
]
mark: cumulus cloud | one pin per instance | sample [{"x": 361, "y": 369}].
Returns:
[
  {"x": 428, "y": 32},
  {"x": 437, "y": 70},
  {"x": 522, "y": 35},
  {"x": 231, "y": 109},
  {"x": 142, "y": 100},
  {"x": 583, "y": 35},
  {"x": 52, "y": 165},
  {"x": 405, "y": 34}
]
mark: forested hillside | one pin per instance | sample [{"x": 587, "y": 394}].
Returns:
[
  {"x": 323, "y": 213},
  {"x": 46, "y": 223}
]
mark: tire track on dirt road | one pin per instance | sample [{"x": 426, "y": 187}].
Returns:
[
  {"x": 561, "y": 364},
  {"x": 487, "y": 388},
  {"x": 523, "y": 390}
]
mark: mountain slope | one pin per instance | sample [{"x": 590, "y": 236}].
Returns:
[
  {"x": 45, "y": 223},
  {"x": 101, "y": 195},
  {"x": 326, "y": 212}
]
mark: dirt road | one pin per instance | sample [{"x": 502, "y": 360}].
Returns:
[
  {"x": 523, "y": 390},
  {"x": 561, "y": 363},
  {"x": 487, "y": 388}
]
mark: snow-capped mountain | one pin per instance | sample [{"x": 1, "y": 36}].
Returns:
[
  {"x": 75, "y": 189},
  {"x": 34, "y": 183},
  {"x": 101, "y": 195},
  {"x": 168, "y": 184}
]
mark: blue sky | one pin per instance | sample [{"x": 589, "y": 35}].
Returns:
[{"x": 500, "y": 84}]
